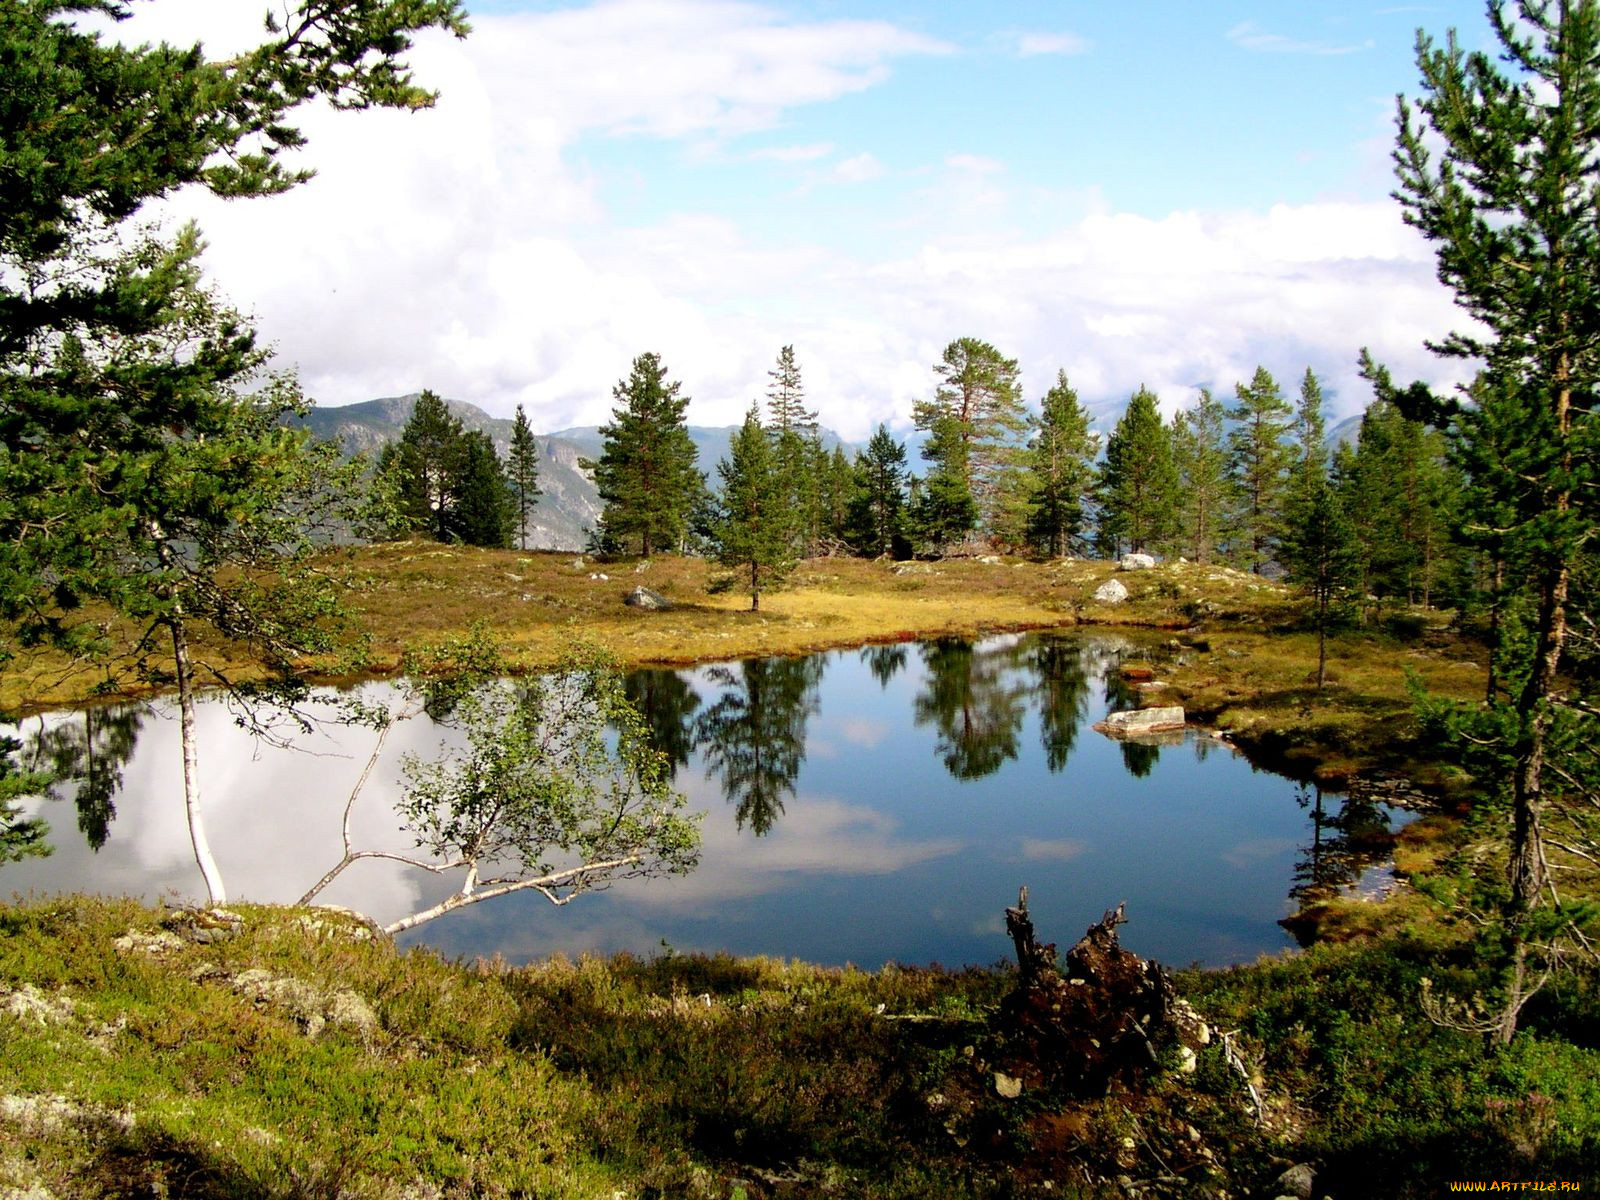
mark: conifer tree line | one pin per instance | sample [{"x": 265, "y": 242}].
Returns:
[
  {"x": 449, "y": 483},
  {"x": 1251, "y": 484},
  {"x": 1218, "y": 483}
]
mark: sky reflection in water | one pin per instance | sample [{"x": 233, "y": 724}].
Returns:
[{"x": 863, "y": 806}]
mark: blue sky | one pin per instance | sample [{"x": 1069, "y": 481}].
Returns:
[{"x": 1157, "y": 193}]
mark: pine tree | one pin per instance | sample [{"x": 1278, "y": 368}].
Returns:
[
  {"x": 757, "y": 523},
  {"x": 876, "y": 521},
  {"x": 978, "y": 420},
  {"x": 1310, "y": 465},
  {"x": 1320, "y": 553},
  {"x": 1060, "y": 471},
  {"x": 523, "y": 472},
  {"x": 1201, "y": 460},
  {"x": 1513, "y": 207},
  {"x": 793, "y": 429},
  {"x": 1138, "y": 482},
  {"x": 1258, "y": 467},
  {"x": 786, "y": 409},
  {"x": 645, "y": 473},
  {"x": 425, "y": 464},
  {"x": 481, "y": 512}
]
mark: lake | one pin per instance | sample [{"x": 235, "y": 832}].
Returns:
[{"x": 861, "y": 806}]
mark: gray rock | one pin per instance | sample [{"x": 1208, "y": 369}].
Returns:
[
  {"x": 1111, "y": 592},
  {"x": 1136, "y": 562},
  {"x": 1296, "y": 1182},
  {"x": 650, "y": 601},
  {"x": 1143, "y": 720}
]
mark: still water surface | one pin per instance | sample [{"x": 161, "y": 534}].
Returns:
[{"x": 864, "y": 806}]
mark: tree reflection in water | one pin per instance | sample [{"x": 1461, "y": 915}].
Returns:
[
  {"x": 667, "y": 703},
  {"x": 1343, "y": 844},
  {"x": 754, "y": 734},
  {"x": 83, "y": 754},
  {"x": 975, "y": 700},
  {"x": 1062, "y": 673},
  {"x": 885, "y": 662}
]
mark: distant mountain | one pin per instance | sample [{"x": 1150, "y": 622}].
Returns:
[
  {"x": 712, "y": 443},
  {"x": 1344, "y": 432},
  {"x": 570, "y": 506}
]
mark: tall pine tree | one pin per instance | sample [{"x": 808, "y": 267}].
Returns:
[
  {"x": 1060, "y": 471},
  {"x": 1500, "y": 174},
  {"x": 425, "y": 465},
  {"x": 522, "y": 469},
  {"x": 1138, "y": 482},
  {"x": 1201, "y": 459},
  {"x": 793, "y": 429},
  {"x": 645, "y": 473},
  {"x": 977, "y": 421},
  {"x": 757, "y": 520},
  {"x": 1258, "y": 466}
]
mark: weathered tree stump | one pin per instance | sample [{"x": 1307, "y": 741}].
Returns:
[{"x": 1097, "y": 1018}]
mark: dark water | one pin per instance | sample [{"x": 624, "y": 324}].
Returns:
[{"x": 862, "y": 806}]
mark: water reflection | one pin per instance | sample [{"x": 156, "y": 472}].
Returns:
[
  {"x": 753, "y": 736},
  {"x": 1344, "y": 843},
  {"x": 667, "y": 703},
  {"x": 1062, "y": 669},
  {"x": 974, "y": 697},
  {"x": 870, "y": 804},
  {"x": 83, "y": 755},
  {"x": 885, "y": 662}
]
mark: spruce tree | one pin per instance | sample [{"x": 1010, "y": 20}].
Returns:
[
  {"x": 645, "y": 473},
  {"x": 522, "y": 469},
  {"x": 1060, "y": 471},
  {"x": 1201, "y": 459},
  {"x": 482, "y": 512},
  {"x": 876, "y": 518},
  {"x": 1310, "y": 465},
  {"x": 793, "y": 429},
  {"x": 943, "y": 511},
  {"x": 425, "y": 465},
  {"x": 756, "y": 532},
  {"x": 1138, "y": 482},
  {"x": 1258, "y": 468}
]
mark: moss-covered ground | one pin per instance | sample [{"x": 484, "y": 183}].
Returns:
[{"x": 290, "y": 1054}]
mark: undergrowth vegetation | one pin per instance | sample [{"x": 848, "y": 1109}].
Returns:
[{"x": 288, "y": 1053}]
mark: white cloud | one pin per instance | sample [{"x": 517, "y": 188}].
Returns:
[
  {"x": 475, "y": 248},
  {"x": 1250, "y": 36},
  {"x": 976, "y": 164},
  {"x": 1029, "y": 44},
  {"x": 810, "y": 152},
  {"x": 858, "y": 168}
]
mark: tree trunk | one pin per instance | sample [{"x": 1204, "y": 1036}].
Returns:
[
  {"x": 755, "y": 587},
  {"x": 1497, "y": 600},
  {"x": 1322, "y": 641},
  {"x": 191, "y": 764},
  {"x": 1529, "y": 872}
]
